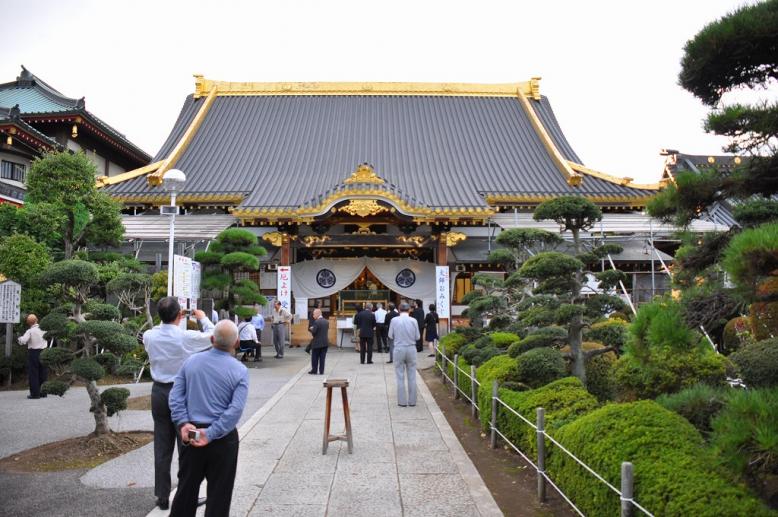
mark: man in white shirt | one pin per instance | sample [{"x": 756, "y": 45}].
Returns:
[
  {"x": 168, "y": 347},
  {"x": 249, "y": 343},
  {"x": 381, "y": 329},
  {"x": 405, "y": 332},
  {"x": 280, "y": 318},
  {"x": 35, "y": 342}
]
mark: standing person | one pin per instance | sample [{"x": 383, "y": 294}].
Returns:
[
  {"x": 431, "y": 329},
  {"x": 417, "y": 313},
  {"x": 168, "y": 347},
  {"x": 380, "y": 329},
  {"x": 208, "y": 397},
  {"x": 281, "y": 317},
  {"x": 365, "y": 321},
  {"x": 390, "y": 315},
  {"x": 35, "y": 341},
  {"x": 405, "y": 332},
  {"x": 320, "y": 344},
  {"x": 248, "y": 339},
  {"x": 258, "y": 320}
]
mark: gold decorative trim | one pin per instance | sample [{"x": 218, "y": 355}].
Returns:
[
  {"x": 183, "y": 143},
  {"x": 614, "y": 201},
  {"x": 626, "y": 182},
  {"x": 364, "y": 174},
  {"x": 226, "y": 88},
  {"x": 274, "y": 238},
  {"x": 573, "y": 178},
  {"x": 313, "y": 240},
  {"x": 453, "y": 238},
  {"x": 416, "y": 240},
  {"x": 363, "y": 208},
  {"x": 103, "y": 181},
  {"x": 364, "y": 229},
  {"x": 181, "y": 199}
]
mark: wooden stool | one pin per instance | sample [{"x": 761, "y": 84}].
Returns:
[{"x": 343, "y": 385}]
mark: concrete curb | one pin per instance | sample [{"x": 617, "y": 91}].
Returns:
[
  {"x": 481, "y": 495},
  {"x": 244, "y": 429}
]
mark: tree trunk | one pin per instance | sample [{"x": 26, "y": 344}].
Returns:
[
  {"x": 575, "y": 333},
  {"x": 98, "y": 409},
  {"x": 149, "y": 319}
]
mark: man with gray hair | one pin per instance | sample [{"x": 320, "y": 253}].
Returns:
[
  {"x": 206, "y": 402},
  {"x": 405, "y": 332}
]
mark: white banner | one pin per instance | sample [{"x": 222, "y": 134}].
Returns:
[
  {"x": 285, "y": 287},
  {"x": 442, "y": 291},
  {"x": 10, "y": 299},
  {"x": 182, "y": 279}
]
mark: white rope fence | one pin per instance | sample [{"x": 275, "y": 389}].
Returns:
[{"x": 627, "y": 480}]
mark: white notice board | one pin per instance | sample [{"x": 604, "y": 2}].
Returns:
[
  {"x": 442, "y": 292},
  {"x": 182, "y": 278},
  {"x": 10, "y": 300},
  {"x": 284, "y": 289}
]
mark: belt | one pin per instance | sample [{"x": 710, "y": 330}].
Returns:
[
  {"x": 279, "y": 323},
  {"x": 163, "y": 384}
]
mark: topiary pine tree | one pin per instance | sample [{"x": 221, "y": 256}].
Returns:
[
  {"x": 558, "y": 279},
  {"x": 134, "y": 292},
  {"x": 234, "y": 250}
]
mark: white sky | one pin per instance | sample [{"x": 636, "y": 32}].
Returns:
[{"x": 609, "y": 67}]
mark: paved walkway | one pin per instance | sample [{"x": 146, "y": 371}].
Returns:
[{"x": 406, "y": 461}]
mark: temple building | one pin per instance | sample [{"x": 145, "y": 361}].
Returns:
[
  {"x": 362, "y": 189},
  {"x": 35, "y": 118}
]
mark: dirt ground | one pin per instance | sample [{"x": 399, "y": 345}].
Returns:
[
  {"x": 142, "y": 403},
  {"x": 75, "y": 453},
  {"x": 512, "y": 482}
]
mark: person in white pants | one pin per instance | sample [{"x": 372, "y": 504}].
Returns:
[{"x": 404, "y": 330}]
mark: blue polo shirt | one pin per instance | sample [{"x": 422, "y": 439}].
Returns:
[{"x": 211, "y": 388}]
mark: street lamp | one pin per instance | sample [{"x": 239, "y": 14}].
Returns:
[{"x": 173, "y": 181}]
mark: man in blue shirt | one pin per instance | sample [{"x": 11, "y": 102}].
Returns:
[{"x": 208, "y": 398}]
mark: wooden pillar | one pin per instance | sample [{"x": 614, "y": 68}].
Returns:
[{"x": 286, "y": 250}]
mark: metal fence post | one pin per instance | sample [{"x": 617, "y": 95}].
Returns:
[
  {"x": 627, "y": 481},
  {"x": 541, "y": 424},
  {"x": 473, "y": 393},
  {"x": 456, "y": 376},
  {"x": 493, "y": 437}
]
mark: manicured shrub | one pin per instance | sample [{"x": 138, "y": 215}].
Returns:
[
  {"x": 87, "y": 369},
  {"x": 552, "y": 335},
  {"x": 107, "y": 360},
  {"x": 500, "y": 368},
  {"x": 463, "y": 379},
  {"x": 600, "y": 372},
  {"x": 56, "y": 324},
  {"x": 764, "y": 320},
  {"x": 453, "y": 342},
  {"x": 563, "y": 401},
  {"x": 101, "y": 311},
  {"x": 540, "y": 366},
  {"x": 736, "y": 333},
  {"x": 667, "y": 371},
  {"x": 758, "y": 363},
  {"x": 115, "y": 399},
  {"x": 612, "y": 332},
  {"x": 697, "y": 404},
  {"x": 674, "y": 472},
  {"x": 503, "y": 339},
  {"x": 470, "y": 333},
  {"x": 480, "y": 351},
  {"x": 751, "y": 254},
  {"x": 54, "y": 388}
]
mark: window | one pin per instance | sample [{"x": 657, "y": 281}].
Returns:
[{"x": 13, "y": 171}]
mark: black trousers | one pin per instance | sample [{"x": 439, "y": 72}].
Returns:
[
  {"x": 365, "y": 347},
  {"x": 36, "y": 372},
  {"x": 381, "y": 337},
  {"x": 165, "y": 438},
  {"x": 217, "y": 463},
  {"x": 318, "y": 355}
]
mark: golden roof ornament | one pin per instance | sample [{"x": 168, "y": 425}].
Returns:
[
  {"x": 364, "y": 174},
  {"x": 274, "y": 238},
  {"x": 453, "y": 238},
  {"x": 363, "y": 208}
]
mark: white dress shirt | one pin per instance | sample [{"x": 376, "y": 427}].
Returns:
[
  {"x": 168, "y": 347},
  {"x": 380, "y": 315},
  {"x": 33, "y": 338},
  {"x": 404, "y": 330},
  {"x": 247, "y": 332}
]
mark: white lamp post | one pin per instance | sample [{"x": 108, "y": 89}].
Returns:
[{"x": 173, "y": 180}]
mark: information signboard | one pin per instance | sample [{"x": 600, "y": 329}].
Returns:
[
  {"x": 285, "y": 287},
  {"x": 442, "y": 291},
  {"x": 10, "y": 298}
]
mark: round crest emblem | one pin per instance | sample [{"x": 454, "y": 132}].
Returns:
[
  {"x": 325, "y": 278},
  {"x": 405, "y": 278}
]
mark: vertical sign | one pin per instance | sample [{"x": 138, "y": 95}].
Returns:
[
  {"x": 182, "y": 279},
  {"x": 285, "y": 287},
  {"x": 10, "y": 298},
  {"x": 196, "y": 273},
  {"x": 442, "y": 291}
]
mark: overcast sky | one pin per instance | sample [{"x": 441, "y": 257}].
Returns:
[{"x": 609, "y": 67}]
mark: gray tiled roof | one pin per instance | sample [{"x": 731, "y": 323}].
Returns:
[{"x": 436, "y": 151}]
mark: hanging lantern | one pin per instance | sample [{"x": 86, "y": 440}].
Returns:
[{"x": 74, "y": 131}]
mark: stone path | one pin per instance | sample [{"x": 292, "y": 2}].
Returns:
[{"x": 406, "y": 461}]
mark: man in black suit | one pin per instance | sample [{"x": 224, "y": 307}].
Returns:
[
  {"x": 418, "y": 314},
  {"x": 320, "y": 344},
  {"x": 365, "y": 322},
  {"x": 391, "y": 313}
]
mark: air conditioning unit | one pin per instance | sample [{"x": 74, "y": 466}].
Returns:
[
  {"x": 460, "y": 268},
  {"x": 272, "y": 267}
]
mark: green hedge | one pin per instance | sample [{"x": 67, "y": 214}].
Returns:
[
  {"x": 539, "y": 366},
  {"x": 452, "y": 343},
  {"x": 563, "y": 401},
  {"x": 463, "y": 381},
  {"x": 758, "y": 363},
  {"x": 674, "y": 473},
  {"x": 500, "y": 368},
  {"x": 697, "y": 404}
]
